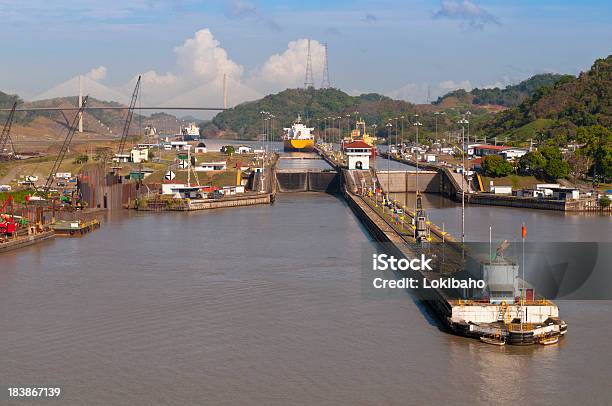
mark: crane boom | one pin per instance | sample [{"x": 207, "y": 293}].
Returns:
[
  {"x": 62, "y": 153},
  {"x": 128, "y": 118},
  {"x": 5, "y": 137}
]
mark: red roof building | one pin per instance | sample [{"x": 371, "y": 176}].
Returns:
[{"x": 357, "y": 145}]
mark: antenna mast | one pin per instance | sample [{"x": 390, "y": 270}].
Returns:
[
  {"x": 309, "y": 80},
  {"x": 325, "y": 82}
]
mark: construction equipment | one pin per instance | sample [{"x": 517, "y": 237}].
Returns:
[
  {"x": 128, "y": 118},
  {"x": 7, "y": 221},
  {"x": 62, "y": 153},
  {"x": 5, "y": 137}
]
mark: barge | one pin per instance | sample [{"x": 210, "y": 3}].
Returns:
[
  {"x": 75, "y": 228},
  {"x": 20, "y": 241}
]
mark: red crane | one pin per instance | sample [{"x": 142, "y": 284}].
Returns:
[{"x": 7, "y": 222}]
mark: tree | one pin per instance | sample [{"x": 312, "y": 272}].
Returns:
[
  {"x": 532, "y": 163},
  {"x": 597, "y": 142},
  {"x": 604, "y": 202},
  {"x": 496, "y": 166},
  {"x": 228, "y": 150},
  {"x": 556, "y": 169},
  {"x": 579, "y": 163}
]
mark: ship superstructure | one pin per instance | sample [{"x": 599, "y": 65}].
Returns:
[{"x": 298, "y": 137}]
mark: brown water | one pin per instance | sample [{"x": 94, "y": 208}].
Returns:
[{"x": 260, "y": 305}]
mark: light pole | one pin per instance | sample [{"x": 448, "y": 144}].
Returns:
[
  {"x": 402, "y": 136},
  {"x": 348, "y": 123},
  {"x": 388, "y": 125},
  {"x": 467, "y": 115},
  {"x": 272, "y": 117},
  {"x": 339, "y": 129},
  {"x": 263, "y": 128},
  {"x": 462, "y": 122},
  {"x": 417, "y": 124}
]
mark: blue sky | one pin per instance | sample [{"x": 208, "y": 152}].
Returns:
[{"x": 399, "y": 48}]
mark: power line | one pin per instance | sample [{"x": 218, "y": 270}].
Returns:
[
  {"x": 309, "y": 80},
  {"x": 325, "y": 82}
]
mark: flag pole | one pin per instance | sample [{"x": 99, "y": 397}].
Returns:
[{"x": 523, "y": 235}]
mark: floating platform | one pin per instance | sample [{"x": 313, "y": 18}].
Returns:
[
  {"x": 74, "y": 228},
  {"x": 14, "y": 243}
]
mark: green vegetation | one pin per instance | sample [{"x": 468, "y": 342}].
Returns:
[
  {"x": 19, "y": 196},
  {"x": 496, "y": 166},
  {"x": 228, "y": 150},
  {"x": 510, "y": 96},
  {"x": 548, "y": 163},
  {"x": 516, "y": 181},
  {"x": 596, "y": 151},
  {"x": 245, "y": 121},
  {"x": 566, "y": 106},
  {"x": 605, "y": 202}
]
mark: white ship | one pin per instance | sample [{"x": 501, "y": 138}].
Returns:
[
  {"x": 190, "y": 132},
  {"x": 298, "y": 137}
]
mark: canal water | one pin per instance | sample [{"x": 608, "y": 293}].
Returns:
[
  {"x": 263, "y": 305},
  {"x": 259, "y": 305}
]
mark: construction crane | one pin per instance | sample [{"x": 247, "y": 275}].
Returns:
[
  {"x": 7, "y": 222},
  {"x": 62, "y": 153},
  {"x": 5, "y": 137},
  {"x": 128, "y": 118}
]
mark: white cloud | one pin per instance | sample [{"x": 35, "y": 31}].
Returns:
[
  {"x": 98, "y": 73},
  {"x": 466, "y": 11},
  {"x": 449, "y": 85},
  {"x": 288, "y": 69},
  {"x": 202, "y": 58},
  {"x": 196, "y": 78}
]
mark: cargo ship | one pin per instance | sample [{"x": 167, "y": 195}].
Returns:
[
  {"x": 298, "y": 137},
  {"x": 360, "y": 134}
]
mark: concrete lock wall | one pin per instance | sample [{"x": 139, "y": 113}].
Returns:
[
  {"x": 406, "y": 181},
  {"x": 308, "y": 181}
]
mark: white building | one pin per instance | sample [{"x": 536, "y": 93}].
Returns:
[
  {"x": 211, "y": 166},
  {"x": 243, "y": 149},
  {"x": 200, "y": 148},
  {"x": 139, "y": 155},
  {"x": 512, "y": 153},
  {"x": 178, "y": 145},
  {"x": 358, "y": 153},
  {"x": 502, "y": 190}
]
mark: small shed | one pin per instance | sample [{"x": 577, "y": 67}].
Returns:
[{"x": 200, "y": 148}]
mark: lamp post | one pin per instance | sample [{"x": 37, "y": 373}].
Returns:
[
  {"x": 467, "y": 115},
  {"x": 402, "y": 136},
  {"x": 396, "y": 134},
  {"x": 417, "y": 124},
  {"x": 339, "y": 130},
  {"x": 462, "y": 122},
  {"x": 388, "y": 125},
  {"x": 263, "y": 128}
]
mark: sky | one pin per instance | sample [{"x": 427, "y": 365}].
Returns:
[{"x": 183, "y": 48}]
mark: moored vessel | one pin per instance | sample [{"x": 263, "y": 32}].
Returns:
[{"x": 298, "y": 137}]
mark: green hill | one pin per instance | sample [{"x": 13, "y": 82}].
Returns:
[
  {"x": 557, "y": 112},
  {"x": 244, "y": 121},
  {"x": 510, "y": 96}
]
